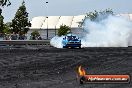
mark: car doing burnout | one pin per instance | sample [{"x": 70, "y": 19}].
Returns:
[{"x": 71, "y": 41}]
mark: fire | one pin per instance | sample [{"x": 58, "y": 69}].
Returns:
[{"x": 81, "y": 71}]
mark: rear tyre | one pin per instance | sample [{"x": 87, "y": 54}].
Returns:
[{"x": 64, "y": 46}]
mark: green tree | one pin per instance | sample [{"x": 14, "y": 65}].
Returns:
[
  {"x": 97, "y": 16},
  {"x": 1, "y": 22},
  {"x": 7, "y": 29},
  {"x": 5, "y": 2},
  {"x": 63, "y": 30},
  {"x": 35, "y": 35},
  {"x": 20, "y": 21}
]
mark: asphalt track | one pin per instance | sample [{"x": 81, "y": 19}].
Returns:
[{"x": 57, "y": 68}]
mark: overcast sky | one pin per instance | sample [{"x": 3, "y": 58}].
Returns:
[{"x": 65, "y": 7}]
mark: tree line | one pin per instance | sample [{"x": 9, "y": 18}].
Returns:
[{"x": 19, "y": 24}]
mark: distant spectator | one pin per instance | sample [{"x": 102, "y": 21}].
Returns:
[
  {"x": 39, "y": 37},
  {"x": 13, "y": 36}
]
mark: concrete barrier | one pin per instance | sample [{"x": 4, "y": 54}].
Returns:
[{"x": 24, "y": 42}]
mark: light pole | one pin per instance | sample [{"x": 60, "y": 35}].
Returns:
[
  {"x": 47, "y": 17},
  {"x": 55, "y": 30}
]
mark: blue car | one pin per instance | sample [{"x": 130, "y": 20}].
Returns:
[{"x": 71, "y": 41}]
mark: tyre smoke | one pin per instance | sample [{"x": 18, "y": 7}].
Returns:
[
  {"x": 113, "y": 31},
  {"x": 57, "y": 41}
]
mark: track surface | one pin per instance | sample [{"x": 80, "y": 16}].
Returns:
[{"x": 57, "y": 68}]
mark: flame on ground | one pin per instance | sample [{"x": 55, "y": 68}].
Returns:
[{"x": 81, "y": 71}]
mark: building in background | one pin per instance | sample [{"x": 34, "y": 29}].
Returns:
[{"x": 52, "y": 23}]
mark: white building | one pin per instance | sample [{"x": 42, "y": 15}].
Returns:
[{"x": 52, "y": 23}]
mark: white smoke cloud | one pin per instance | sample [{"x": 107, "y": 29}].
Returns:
[
  {"x": 57, "y": 41},
  {"x": 111, "y": 32}
]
